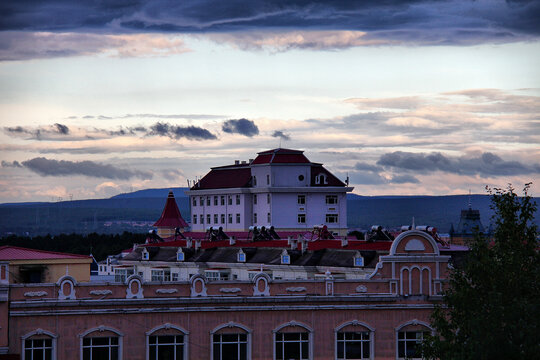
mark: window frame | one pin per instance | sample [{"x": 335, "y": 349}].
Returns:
[
  {"x": 331, "y": 200},
  {"x": 168, "y": 326},
  {"x": 41, "y": 333},
  {"x": 208, "y": 219},
  {"x": 355, "y": 323},
  {"x": 237, "y": 199},
  {"x": 194, "y": 202},
  {"x": 102, "y": 328},
  {"x": 293, "y": 323},
  {"x": 402, "y": 329},
  {"x": 232, "y": 324},
  {"x": 301, "y": 200},
  {"x": 298, "y": 218},
  {"x": 238, "y": 218},
  {"x": 332, "y": 217}
]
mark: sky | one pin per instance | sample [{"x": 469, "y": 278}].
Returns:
[{"x": 403, "y": 97}]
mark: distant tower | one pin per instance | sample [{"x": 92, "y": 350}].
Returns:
[
  {"x": 170, "y": 218},
  {"x": 469, "y": 224}
]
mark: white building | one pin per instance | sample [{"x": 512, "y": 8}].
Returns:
[{"x": 279, "y": 188}]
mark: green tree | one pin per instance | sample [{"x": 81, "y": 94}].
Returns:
[{"x": 491, "y": 306}]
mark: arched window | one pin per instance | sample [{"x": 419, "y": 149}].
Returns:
[
  {"x": 39, "y": 345},
  {"x": 293, "y": 340},
  {"x": 409, "y": 337},
  {"x": 231, "y": 341},
  {"x": 354, "y": 340},
  {"x": 101, "y": 343},
  {"x": 167, "y": 342}
]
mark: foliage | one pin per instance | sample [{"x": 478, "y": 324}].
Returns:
[
  {"x": 491, "y": 306},
  {"x": 99, "y": 245}
]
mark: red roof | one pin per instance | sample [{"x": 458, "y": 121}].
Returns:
[
  {"x": 281, "y": 156},
  {"x": 331, "y": 180},
  {"x": 225, "y": 178},
  {"x": 171, "y": 217},
  {"x": 17, "y": 253}
]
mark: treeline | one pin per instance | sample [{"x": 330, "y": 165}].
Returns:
[{"x": 99, "y": 245}]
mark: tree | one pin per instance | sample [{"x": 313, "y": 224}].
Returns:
[{"x": 491, "y": 307}]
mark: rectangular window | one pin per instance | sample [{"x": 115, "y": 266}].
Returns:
[
  {"x": 208, "y": 201},
  {"x": 174, "y": 276},
  {"x": 268, "y": 218},
  {"x": 229, "y": 200},
  {"x": 202, "y": 219},
  {"x": 208, "y": 219},
  {"x": 237, "y": 199},
  {"x": 255, "y": 199},
  {"x": 238, "y": 218},
  {"x": 301, "y": 199},
  {"x": 331, "y": 218},
  {"x": 230, "y": 219},
  {"x": 268, "y": 198},
  {"x": 353, "y": 345},
  {"x": 301, "y": 218},
  {"x": 267, "y": 179},
  {"x": 101, "y": 348},
  {"x": 222, "y": 199},
  {"x": 254, "y": 181},
  {"x": 161, "y": 275},
  {"x": 120, "y": 275},
  {"x": 166, "y": 347},
  {"x": 38, "y": 349},
  {"x": 194, "y": 219},
  {"x": 254, "y": 218},
  {"x": 215, "y": 200},
  {"x": 410, "y": 344},
  {"x": 229, "y": 346},
  {"x": 222, "y": 218},
  {"x": 291, "y": 345},
  {"x": 215, "y": 218},
  {"x": 201, "y": 201},
  {"x": 194, "y": 201},
  {"x": 331, "y": 199},
  {"x": 215, "y": 275}
]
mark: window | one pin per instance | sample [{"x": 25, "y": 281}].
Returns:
[
  {"x": 194, "y": 201},
  {"x": 215, "y": 275},
  {"x": 120, "y": 275},
  {"x": 169, "y": 347},
  {"x": 331, "y": 218},
  {"x": 254, "y": 181},
  {"x": 208, "y": 201},
  {"x": 100, "y": 348},
  {"x": 222, "y": 199},
  {"x": 223, "y": 218},
  {"x": 174, "y": 276},
  {"x": 38, "y": 349},
  {"x": 238, "y": 218},
  {"x": 215, "y": 200},
  {"x": 292, "y": 345},
  {"x": 331, "y": 199},
  {"x": 267, "y": 179},
  {"x": 409, "y": 344},
  {"x": 201, "y": 201},
  {"x": 215, "y": 218},
  {"x": 255, "y": 199},
  {"x": 237, "y": 199},
  {"x": 254, "y": 218},
  {"x": 301, "y": 199},
  {"x": 241, "y": 256},
  {"x": 180, "y": 256},
  {"x": 268, "y": 198},
  {"x": 229, "y": 346},
  {"x": 229, "y": 200},
  {"x": 353, "y": 345},
  {"x": 321, "y": 179},
  {"x": 285, "y": 258},
  {"x": 202, "y": 218},
  {"x": 161, "y": 275},
  {"x": 194, "y": 219},
  {"x": 230, "y": 218},
  {"x": 268, "y": 218},
  {"x": 301, "y": 218},
  {"x": 208, "y": 219}
]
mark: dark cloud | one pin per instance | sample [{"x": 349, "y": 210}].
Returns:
[
  {"x": 14, "y": 164},
  {"x": 421, "y": 21},
  {"x": 50, "y": 167},
  {"x": 487, "y": 164},
  {"x": 61, "y": 129},
  {"x": 362, "y": 166},
  {"x": 176, "y": 132},
  {"x": 241, "y": 126},
  {"x": 281, "y": 134},
  {"x": 404, "y": 179}
]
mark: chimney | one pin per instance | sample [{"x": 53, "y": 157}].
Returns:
[
  {"x": 303, "y": 245},
  {"x": 189, "y": 242},
  {"x": 250, "y": 161},
  {"x": 232, "y": 240},
  {"x": 236, "y": 162},
  {"x": 243, "y": 162},
  {"x": 197, "y": 244},
  {"x": 293, "y": 243},
  {"x": 344, "y": 242}
]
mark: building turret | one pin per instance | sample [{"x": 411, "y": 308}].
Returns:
[{"x": 170, "y": 219}]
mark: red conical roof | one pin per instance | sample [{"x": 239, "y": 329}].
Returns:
[{"x": 171, "y": 217}]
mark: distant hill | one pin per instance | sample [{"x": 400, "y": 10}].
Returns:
[{"x": 137, "y": 211}]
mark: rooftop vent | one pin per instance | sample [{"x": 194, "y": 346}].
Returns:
[{"x": 236, "y": 162}]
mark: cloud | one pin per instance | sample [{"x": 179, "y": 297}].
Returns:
[
  {"x": 176, "y": 132},
  {"x": 486, "y": 164},
  {"x": 14, "y": 164},
  {"x": 22, "y": 45},
  {"x": 241, "y": 126},
  {"x": 404, "y": 179},
  {"x": 39, "y": 133},
  {"x": 50, "y": 167},
  {"x": 62, "y": 129},
  {"x": 281, "y": 134}
]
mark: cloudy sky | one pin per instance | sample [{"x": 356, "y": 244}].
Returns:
[{"x": 417, "y": 97}]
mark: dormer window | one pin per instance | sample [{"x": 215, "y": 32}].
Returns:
[
  {"x": 241, "y": 256},
  {"x": 180, "y": 256},
  {"x": 285, "y": 258},
  {"x": 358, "y": 260},
  {"x": 321, "y": 179},
  {"x": 145, "y": 254}
]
